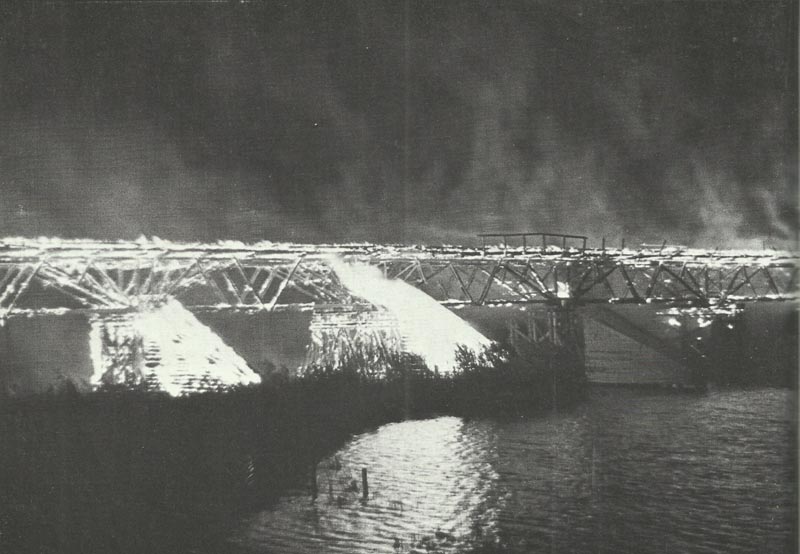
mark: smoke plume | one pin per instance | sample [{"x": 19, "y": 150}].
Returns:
[{"x": 401, "y": 121}]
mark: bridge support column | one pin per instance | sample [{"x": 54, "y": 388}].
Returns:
[
  {"x": 554, "y": 336},
  {"x": 565, "y": 330},
  {"x": 117, "y": 351},
  {"x": 359, "y": 338},
  {"x": 726, "y": 353}
]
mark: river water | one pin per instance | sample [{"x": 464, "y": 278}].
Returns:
[{"x": 627, "y": 471}]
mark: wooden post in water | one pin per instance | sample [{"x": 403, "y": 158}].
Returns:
[
  {"x": 364, "y": 484},
  {"x": 314, "y": 491},
  {"x": 406, "y": 391},
  {"x": 691, "y": 367}
]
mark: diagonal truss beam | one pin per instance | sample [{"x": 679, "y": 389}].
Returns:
[
  {"x": 101, "y": 277},
  {"x": 271, "y": 305}
]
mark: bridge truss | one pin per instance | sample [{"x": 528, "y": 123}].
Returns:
[{"x": 58, "y": 276}]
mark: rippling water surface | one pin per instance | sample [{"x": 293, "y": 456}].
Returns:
[{"x": 629, "y": 471}]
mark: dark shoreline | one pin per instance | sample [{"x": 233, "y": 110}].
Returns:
[{"x": 137, "y": 471}]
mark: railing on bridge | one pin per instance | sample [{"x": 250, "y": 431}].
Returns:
[{"x": 543, "y": 239}]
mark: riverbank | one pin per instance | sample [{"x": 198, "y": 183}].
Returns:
[
  {"x": 627, "y": 470},
  {"x": 134, "y": 471}
]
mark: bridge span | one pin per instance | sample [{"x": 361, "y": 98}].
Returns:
[
  {"x": 580, "y": 300},
  {"x": 58, "y": 276}
]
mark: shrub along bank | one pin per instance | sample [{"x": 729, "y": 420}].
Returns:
[{"x": 133, "y": 471}]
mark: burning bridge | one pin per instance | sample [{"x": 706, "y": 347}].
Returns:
[
  {"x": 57, "y": 276},
  {"x": 118, "y": 284}
]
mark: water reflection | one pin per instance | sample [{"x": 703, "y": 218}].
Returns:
[
  {"x": 629, "y": 471},
  {"x": 429, "y": 483}
]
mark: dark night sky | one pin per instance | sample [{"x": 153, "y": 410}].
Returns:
[{"x": 375, "y": 121}]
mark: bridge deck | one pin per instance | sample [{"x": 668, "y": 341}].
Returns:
[{"x": 55, "y": 275}]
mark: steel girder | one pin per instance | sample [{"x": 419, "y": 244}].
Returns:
[
  {"x": 521, "y": 280},
  {"x": 45, "y": 277},
  {"x": 201, "y": 283}
]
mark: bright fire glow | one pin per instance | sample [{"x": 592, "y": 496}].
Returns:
[
  {"x": 428, "y": 329},
  {"x": 178, "y": 352}
]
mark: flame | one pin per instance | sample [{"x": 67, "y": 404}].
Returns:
[
  {"x": 428, "y": 329},
  {"x": 562, "y": 289},
  {"x": 165, "y": 345}
]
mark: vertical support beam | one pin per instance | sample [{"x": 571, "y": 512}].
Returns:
[
  {"x": 247, "y": 282},
  {"x": 145, "y": 288},
  {"x": 540, "y": 281},
  {"x": 792, "y": 278},
  {"x": 488, "y": 286},
  {"x": 727, "y": 347},
  {"x": 364, "y": 485},
  {"x": 422, "y": 277},
  {"x": 283, "y": 284},
  {"x": 134, "y": 282},
  {"x": 679, "y": 278},
  {"x": 629, "y": 283},
  {"x": 467, "y": 295},
  {"x": 120, "y": 280},
  {"x": 566, "y": 334},
  {"x": 772, "y": 286},
  {"x": 112, "y": 284},
  {"x": 701, "y": 293},
  {"x": 117, "y": 351},
  {"x": 211, "y": 282},
  {"x": 652, "y": 284},
  {"x": 750, "y": 282},
  {"x": 232, "y": 288},
  {"x": 266, "y": 284},
  {"x": 685, "y": 340},
  {"x": 730, "y": 289}
]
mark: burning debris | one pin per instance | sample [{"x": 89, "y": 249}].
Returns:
[
  {"x": 339, "y": 336},
  {"x": 164, "y": 347},
  {"x": 427, "y": 328},
  {"x": 128, "y": 289}
]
